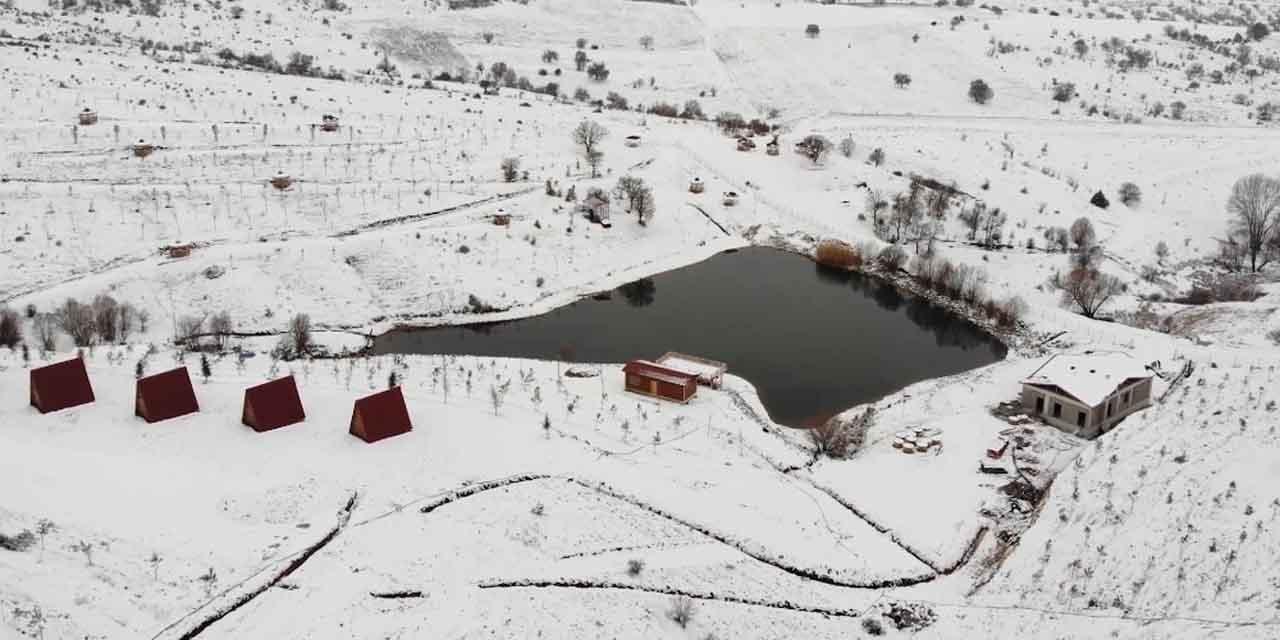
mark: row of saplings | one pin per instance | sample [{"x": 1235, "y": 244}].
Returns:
[{"x": 959, "y": 282}]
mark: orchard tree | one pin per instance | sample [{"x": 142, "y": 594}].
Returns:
[
  {"x": 589, "y": 135},
  {"x": 1087, "y": 289},
  {"x": 980, "y": 92},
  {"x": 580, "y": 59},
  {"x": 901, "y": 80},
  {"x": 1130, "y": 194},
  {"x": 1254, "y": 206}
]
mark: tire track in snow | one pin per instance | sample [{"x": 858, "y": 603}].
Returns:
[
  {"x": 344, "y": 516},
  {"x": 785, "y": 605}
]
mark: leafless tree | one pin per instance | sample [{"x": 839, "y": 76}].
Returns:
[
  {"x": 847, "y": 147},
  {"x": 993, "y": 227},
  {"x": 875, "y": 204},
  {"x": 106, "y": 317},
  {"x": 45, "y": 326},
  {"x": 187, "y": 331},
  {"x": 1082, "y": 234},
  {"x": 78, "y": 321},
  {"x": 1130, "y": 194},
  {"x": 128, "y": 315},
  {"x": 841, "y": 437},
  {"x": 972, "y": 218},
  {"x": 646, "y": 42},
  {"x": 589, "y": 135},
  {"x": 1087, "y": 289},
  {"x": 10, "y": 328},
  {"x": 681, "y": 611},
  {"x": 220, "y": 328},
  {"x": 510, "y": 169},
  {"x": 1162, "y": 251},
  {"x": 1255, "y": 208},
  {"x": 300, "y": 334}
]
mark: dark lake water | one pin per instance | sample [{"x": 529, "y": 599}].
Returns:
[{"x": 813, "y": 342}]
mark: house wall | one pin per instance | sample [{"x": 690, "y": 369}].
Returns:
[{"x": 1097, "y": 421}]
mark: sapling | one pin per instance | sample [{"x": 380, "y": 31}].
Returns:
[{"x": 44, "y": 527}]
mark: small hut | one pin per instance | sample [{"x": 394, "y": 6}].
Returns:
[
  {"x": 596, "y": 209},
  {"x": 281, "y": 181},
  {"x": 502, "y": 218},
  {"x": 746, "y": 144},
  {"x": 771, "y": 148},
  {"x": 696, "y": 185},
  {"x": 329, "y": 123},
  {"x": 272, "y": 405},
  {"x": 653, "y": 379},
  {"x": 380, "y": 416},
  {"x": 730, "y": 198},
  {"x": 710, "y": 373},
  {"x": 165, "y": 395},
  {"x": 88, "y": 117},
  {"x": 142, "y": 149},
  {"x": 61, "y": 385},
  {"x": 178, "y": 250},
  {"x": 632, "y": 140}
]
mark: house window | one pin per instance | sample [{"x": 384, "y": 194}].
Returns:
[
  {"x": 1080, "y": 418},
  {"x": 1057, "y": 410},
  {"x": 1111, "y": 405}
]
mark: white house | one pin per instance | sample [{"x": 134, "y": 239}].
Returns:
[{"x": 1089, "y": 394}]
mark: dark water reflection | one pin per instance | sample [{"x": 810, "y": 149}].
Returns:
[{"x": 813, "y": 341}]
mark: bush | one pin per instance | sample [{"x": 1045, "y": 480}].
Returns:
[
  {"x": 18, "y": 543},
  {"x": 634, "y": 567},
  {"x": 581, "y": 95},
  {"x": 980, "y": 92},
  {"x": 664, "y": 109},
  {"x": 1130, "y": 194},
  {"x": 692, "y": 110},
  {"x": 838, "y": 438},
  {"x": 877, "y": 157},
  {"x": 730, "y": 122},
  {"x": 838, "y": 254},
  {"x": 10, "y": 328},
  {"x": 892, "y": 257},
  {"x": 812, "y": 30},
  {"x": 615, "y": 101},
  {"x": 300, "y": 334},
  {"x": 1064, "y": 91},
  {"x": 597, "y": 71},
  {"x": 681, "y": 611},
  {"x": 77, "y": 320},
  {"x": 873, "y": 626},
  {"x": 510, "y": 169},
  {"x": 814, "y": 147},
  {"x": 901, "y": 80}
]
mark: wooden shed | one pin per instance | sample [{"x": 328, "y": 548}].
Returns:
[
  {"x": 143, "y": 149},
  {"x": 380, "y": 416},
  {"x": 281, "y": 181},
  {"x": 632, "y": 140},
  {"x": 88, "y": 117},
  {"x": 696, "y": 185},
  {"x": 165, "y": 395},
  {"x": 272, "y": 405},
  {"x": 61, "y": 385},
  {"x": 329, "y": 123},
  {"x": 709, "y": 373},
  {"x": 653, "y": 379}
]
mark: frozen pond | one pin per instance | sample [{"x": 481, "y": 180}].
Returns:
[{"x": 812, "y": 341}]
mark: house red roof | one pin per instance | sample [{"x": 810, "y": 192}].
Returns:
[
  {"x": 60, "y": 386},
  {"x": 380, "y": 415},
  {"x": 165, "y": 395},
  {"x": 272, "y": 405},
  {"x": 658, "y": 372}
]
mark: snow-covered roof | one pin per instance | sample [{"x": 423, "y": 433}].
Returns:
[{"x": 1089, "y": 378}]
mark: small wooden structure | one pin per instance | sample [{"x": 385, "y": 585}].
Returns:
[
  {"x": 61, "y": 385},
  {"x": 746, "y": 144},
  {"x": 710, "y": 373},
  {"x": 328, "y": 123},
  {"x": 596, "y": 209},
  {"x": 272, "y": 405},
  {"x": 502, "y": 218},
  {"x": 165, "y": 395},
  {"x": 632, "y": 140},
  {"x": 996, "y": 450},
  {"x": 281, "y": 181},
  {"x": 730, "y": 198},
  {"x": 1088, "y": 394},
  {"x": 142, "y": 149},
  {"x": 696, "y": 185},
  {"x": 178, "y": 250},
  {"x": 653, "y": 379},
  {"x": 380, "y": 416},
  {"x": 88, "y": 117},
  {"x": 771, "y": 148}
]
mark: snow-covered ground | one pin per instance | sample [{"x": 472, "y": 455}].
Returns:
[{"x": 481, "y": 522}]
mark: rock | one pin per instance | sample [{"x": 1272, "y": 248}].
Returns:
[
  {"x": 580, "y": 372},
  {"x": 215, "y": 271}
]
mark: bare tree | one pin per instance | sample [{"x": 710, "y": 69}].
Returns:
[
  {"x": 639, "y": 197},
  {"x": 510, "y": 169},
  {"x": 993, "y": 227},
  {"x": 10, "y": 328},
  {"x": 646, "y": 42},
  {"x": 187, "y": 331},
  {"x": 1087, "y": 289},
  {"x": 1082, "y": 234},
  {"x": 589, "y": 135},
  {"x": 814, "y": 147},
  {"x": 972, "y": 218},
  {"x": 45, "y": 326},
  {"x": 106, "y": 316},
  {"x": 1162, "y": 251},
  {"x": 847, "y": 147},
  {"x": 875, "y": 204},
  {"x": 1130, "y": 194},
  {"x": 220, "y": 327},
  {"x": 877, "y": 157},
  {"x": 1255, "y": 208},
  {"x": 300, "y": 334},
  {"x": 681, "y": 611},
  {"x": 841, "y": 437},
  {"x": 124, "y": 324},
  {"x": 77, "y": 320},
  {"x": 901, "y": 80}
]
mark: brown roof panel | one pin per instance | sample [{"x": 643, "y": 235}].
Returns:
[
  {"x": 61, "y": 385},
  {"x": 380, "y": 416},
  {"x": 165, "y": 395},
  {"x": 272, "y": 405}
]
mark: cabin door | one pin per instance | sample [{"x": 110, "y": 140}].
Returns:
[
  {"x": 1039, "y": 405},
  {"x": 653, "y": 387}
]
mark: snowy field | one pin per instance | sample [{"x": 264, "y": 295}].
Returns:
[{"x": 526, "y": 503}]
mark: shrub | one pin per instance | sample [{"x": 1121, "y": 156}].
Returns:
[
  {"x": 838, "y": 438},
  {"x": 1064, "y": 91},
  {"x": 220, "y": 327},
  {"x": 510, "y": 169},
  {"x": 10, "y": 328},
  {"x": 814, "y": 147},
  {"x": 812, "y": 30},
  {"x": 877, "y": 157},
  {"x": 730, "y": 122},
  {"x": 873, "y": 626},
  {"x": 634, "y": 567},
  {"x": 597, "y": 71},
  {"x": 892, "y": 257},
  {"x": 980, "y": 92},
  {"x": 692, "y": 110},
  {"x": 20, "y": 542},
  {"x": 77, "y": 320},
  {"x": 1008, "y": 312},
  {"x": 847, "y": 147},
  {"x": 615, "y": 101},
  {"x": 1177, "y": 109},
  {"x": 1130, "y": 194},
  {"x": 901, "y": 80},
  {"x": 300, "y": 334},
  {"x": 838, "y": 254},
  {"x": 664, "y": 109},
  {"x": 581, "y": 95},
  {"x": 681, "y": 611}
]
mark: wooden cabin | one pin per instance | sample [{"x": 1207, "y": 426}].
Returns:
[
  {"x": 142, "y": 149},
  {"x": 178, "y": 250},
  {"x": 596, "y": 208},
  {"x": 1087, "y": 395},
  {"x": 328, "y": 123},
  {"x": 652, "y": 379},
  {"x": 730, "y": 198},
  {"x": 772, "y": 147},
  {"x": 88, "y": 117},
  {"x": 281, "y": 181},
  {"x": 696, "y": 185},
  {"x": 746, "y": 144}
]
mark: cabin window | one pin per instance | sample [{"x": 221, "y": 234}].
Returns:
[
  {"x": 1057, "y": 410},
  {"x": 1111, "y": 405},
  {"x": 1080, "y": 418}
]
